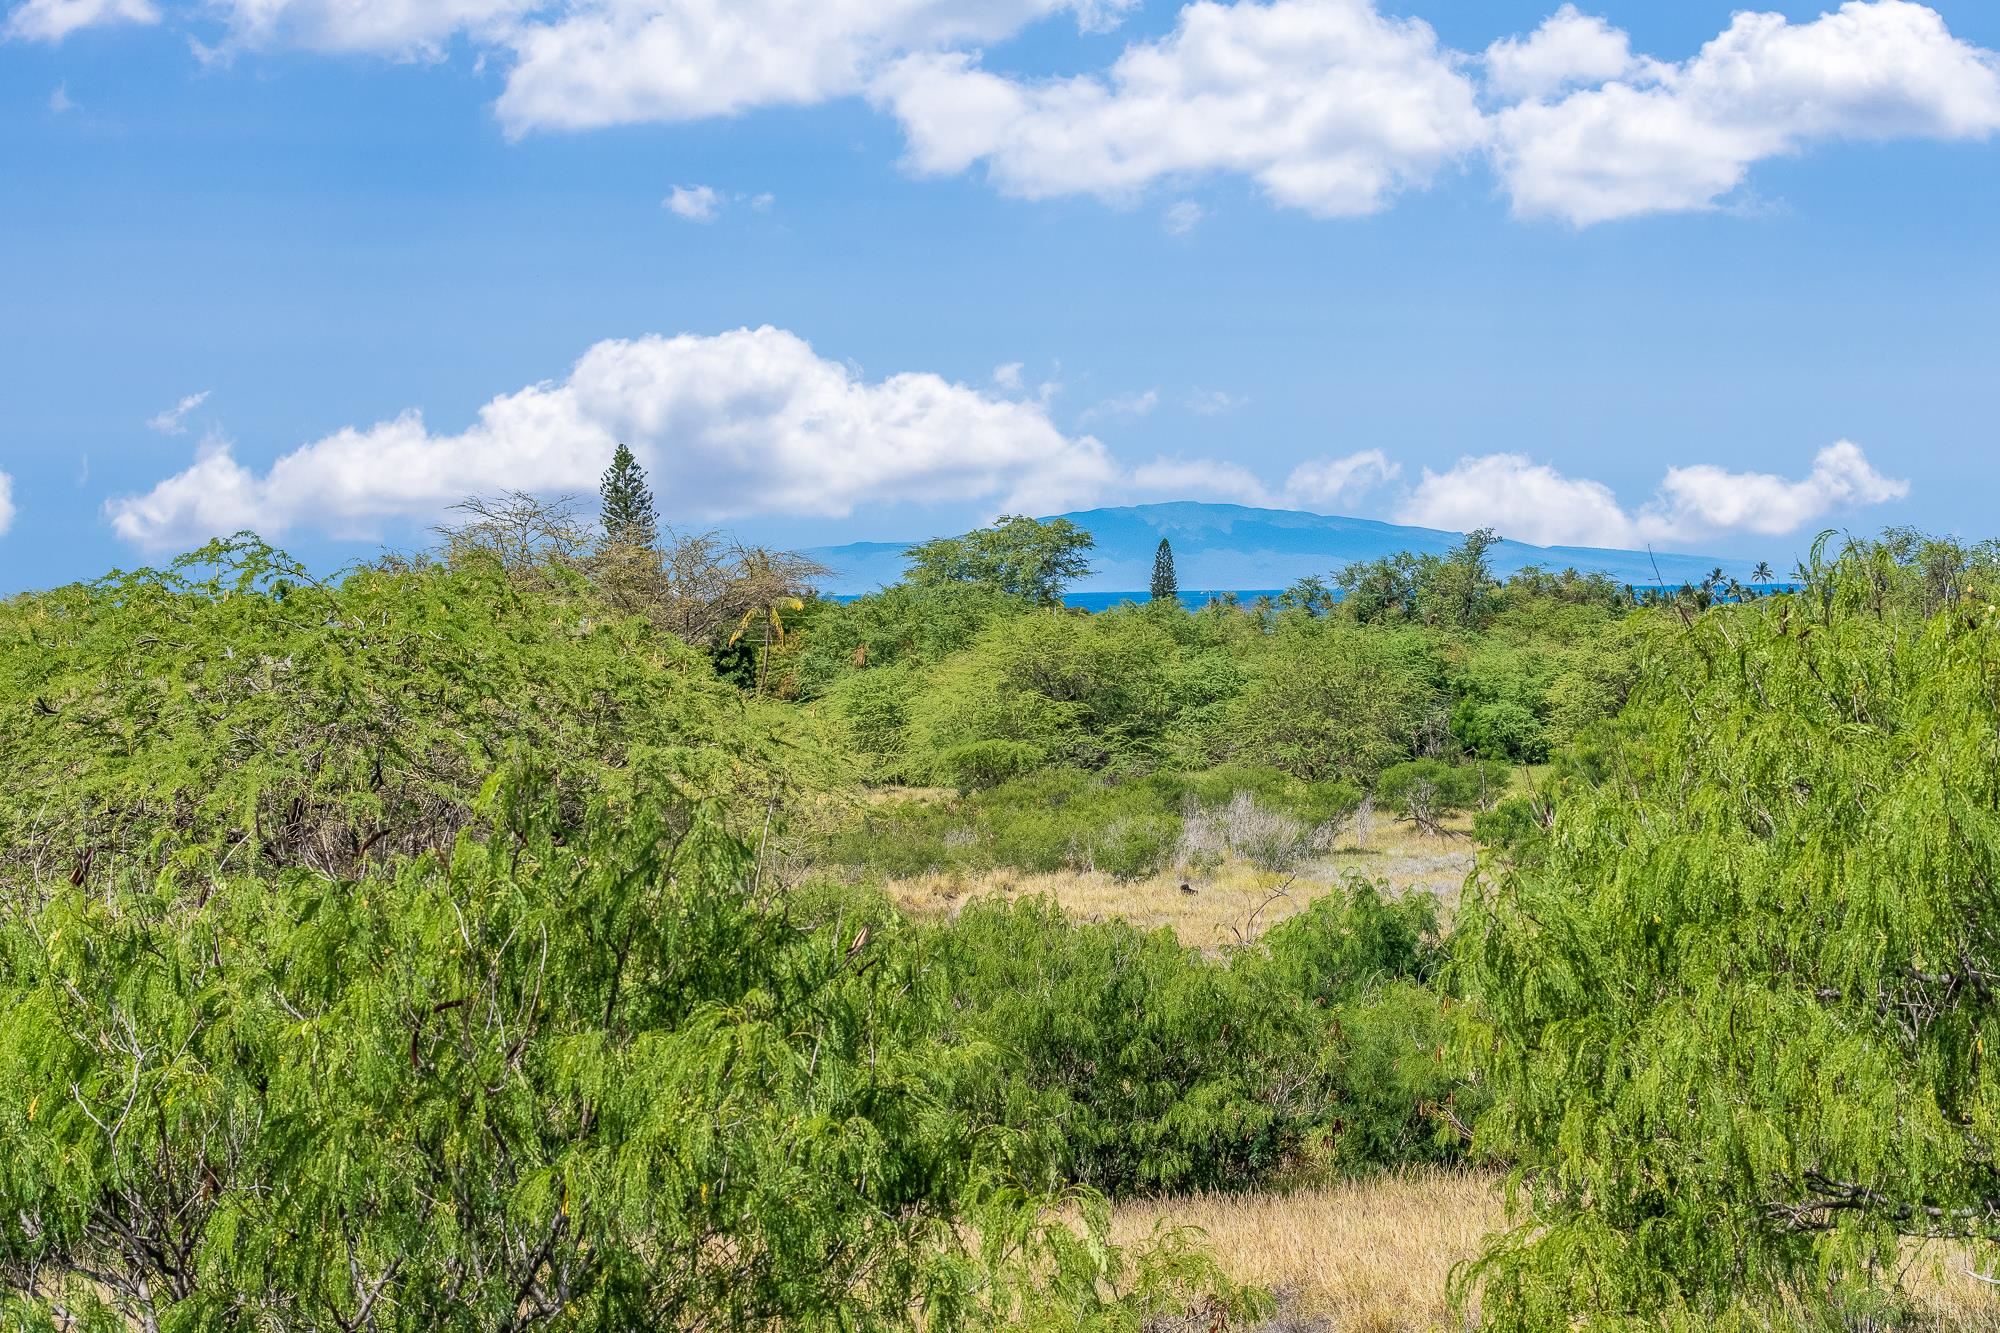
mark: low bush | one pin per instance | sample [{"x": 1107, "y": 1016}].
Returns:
[
  {"x": 1426, "y": 792},
  {"x": 1150, "y": 1067}
]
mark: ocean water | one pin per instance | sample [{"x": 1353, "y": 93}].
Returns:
[
  {"x": 1196, "y": 598},
  {"x": 1192, "y": 599}
]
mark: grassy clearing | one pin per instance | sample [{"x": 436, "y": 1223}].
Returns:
[
  {"x": 1375, "y": 1255},
  {"x": 1232, "y": 902},
  {"x": 1368, "y": 1256}
]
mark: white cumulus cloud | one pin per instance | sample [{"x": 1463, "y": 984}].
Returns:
[
  {"x": 6, "y": 503},
  {"x": 1569, "y": 48},
  {"x": 1323, "y": 483},
  {"x": 1330, "y": 106},
  {"x": 1705, "y": 498},
  {"x": 751, "y": 421},
  {"x": 1682, "y": 136},
  {"x": 1533, "y": 502},
  {"x": 1327, "y": 104},
  {"x": 53, "y": 20},
  {"x": 1525, "y": 500},
  {"x": 698, "y": 203},
  {"x": 615, "y": 62},
  {"x": 173, "y": 421}
]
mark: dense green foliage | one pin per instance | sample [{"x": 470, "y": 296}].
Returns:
[
  {"x": 1021, "y": 557},
  {"x": 231, "y": 715},
  {"x": 318, "y": 1010},
  {"x": 968, "y": 684},
  {"x": 1159, "y": 1068},
  {"x": 494, "y": 939},
  {"x": 1740, "y": 988}
]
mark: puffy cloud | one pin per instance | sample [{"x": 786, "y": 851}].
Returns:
[
  {"x": 1322, "y": 483},
  {"x": 699, "y": 203},
  {"x": 173, "y": 421},
  {"x": 1705, "y": 498},
  {"x": 751, "y": 421},
  {"x": 1182, "y": 218},
  {"x": 53, "y": 20},
  {"x": 1569, "y": 48},
  {"x": 6, "y": 503},
  {"x": 1682, "y": 136},
  {"x": 1533, "y": 502},
  {"x": 1327, "y": 104},
  {"x": 1525, "y": 500},
  {"x": 613, "y": 62}
]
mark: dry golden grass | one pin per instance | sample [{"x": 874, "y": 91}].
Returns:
[
  {"x": 1367, "y": 1257},
  {"x": 1939, "y": 1277},
  {"x": 1233, "y": 902},
  {"x": 1375, "y": 1256}
]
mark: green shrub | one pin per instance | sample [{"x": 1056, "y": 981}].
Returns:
[
  {"x": 1503, "y": 730},
  {"x": 232, "y": 715},
  {"x": 1135, "y": 846},
  {"x": 1738, "y": 998},
  {"x": 1509, "y": 826},
  {"x": 578, "y": 1075},
  {"x": 1427, "y": 791},
  {"x": 1326, "y": 699},
  {"x": 978, "y": 765},
  {"x": 1152, "y": 1068}
]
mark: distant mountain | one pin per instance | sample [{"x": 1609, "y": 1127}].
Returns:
[{"x": 1234, "y": 547}]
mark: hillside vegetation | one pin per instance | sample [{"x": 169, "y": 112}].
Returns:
[{"x": 590, "y": 928}]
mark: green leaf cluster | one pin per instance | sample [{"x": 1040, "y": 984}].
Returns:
[{"x": 1741, "y": 991}]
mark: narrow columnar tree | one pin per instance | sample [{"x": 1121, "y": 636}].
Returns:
[
  {"x": 1166, "y": 586},
  {"x": 629, "y": 516}
]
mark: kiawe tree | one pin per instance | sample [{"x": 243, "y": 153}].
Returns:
[
  {"x": 1739, "y": 993},
  {"x": 1033, "y": 559},
  {"x": 1166, "y": 585},
  {"x": 629, "y": 516}
]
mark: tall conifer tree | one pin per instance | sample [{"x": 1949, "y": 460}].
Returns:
[
  {"x": 628, "y": 514},
  {"x": 1166, "y": 586}
]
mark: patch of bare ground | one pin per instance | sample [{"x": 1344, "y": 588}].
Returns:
[{"x": 1229, "y": 903}]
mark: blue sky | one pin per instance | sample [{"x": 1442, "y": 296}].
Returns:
[{"x": 1640, "y": 273}]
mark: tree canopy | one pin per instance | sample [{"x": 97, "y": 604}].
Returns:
[
  {"x": 1033, "y": 559},
  {"x": 1740, "y": 990}
]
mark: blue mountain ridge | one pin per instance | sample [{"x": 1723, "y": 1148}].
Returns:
[{"x": 1226, "y": 546}]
